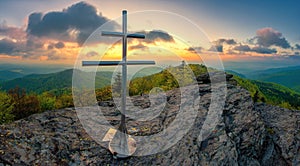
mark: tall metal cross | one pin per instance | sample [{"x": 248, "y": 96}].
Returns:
[{"x": 123, "y": 141}]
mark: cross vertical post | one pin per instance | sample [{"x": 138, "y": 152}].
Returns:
[
  {"x": 121, "y": 145},
  {"x": 124, "y": 73}
]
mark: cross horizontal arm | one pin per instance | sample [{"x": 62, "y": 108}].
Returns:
[
  {"x": 113, "y": 34},
  {"x": 114, "y": 63},
  {"x": 120, "y": 34},
  {"x": 136, "y": 35}
]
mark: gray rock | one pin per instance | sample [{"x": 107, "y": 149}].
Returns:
[
  {"x": 246, "y": 133},
  {"x": 216, "y": 77}
]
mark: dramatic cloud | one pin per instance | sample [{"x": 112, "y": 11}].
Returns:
[
  {"x": 91, "y": 54},
  {"x": 139, "y": 46},
  {"x": 46, "y": 34},
  {"x": 257, "y": 49},
  {"x": 216, "y": 48},
  {"x": 218, "y": 44},
  {"x": 34, "y": 43},
  {"x": 195, "y": 49},
  {"x": 243, "y": 48},
  {"x": 297, "y": 47},
  {"x": 76, "y": 22},
  {"x": 263, "y": 50},
  {"x": 156, "y": 35},
  {"x": 58, "y": 45},
  {"x": 12, "y": 32},
  {"x": 50, "y": 46},
  {"x": 267, "y": 37},
  {"x": 7, "y": 46},
  {"x": 151, "y": 37},
  {"x": 227, "y": 41},
  {"x": 30, "y": 48}
]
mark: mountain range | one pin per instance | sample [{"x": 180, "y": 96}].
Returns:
[
  {"x": 9, "y": 75},
  {"x": 56, "y": 82},
  {"x": 288, "y": 77},
  {"x": 275, "y": 86}
]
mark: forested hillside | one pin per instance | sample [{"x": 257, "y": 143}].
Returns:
[
  {"x": 37, "y": 93},
  {"x": 270, "y": 93},
  {"x": 57, "y": 83},
  {"x": 286, "y": 76}
]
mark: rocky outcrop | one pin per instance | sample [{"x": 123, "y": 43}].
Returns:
[
  {"x": 216, "y": 76},
  {"x": 283, "y": 135},
  {"x": 246, "y": 134}
]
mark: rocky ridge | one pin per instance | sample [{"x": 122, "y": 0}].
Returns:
[{"x": 246, "y": 133}]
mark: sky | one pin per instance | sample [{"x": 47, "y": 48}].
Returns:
[{"x": 65, "y": 31}]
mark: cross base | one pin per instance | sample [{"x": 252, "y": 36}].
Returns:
[{"x": 121, "y": 149}]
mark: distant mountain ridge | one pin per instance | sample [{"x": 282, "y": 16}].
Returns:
[
  {"x": 9, "y": 75},
  {"x": 61, "y": 83},
  {"x": 275, "y": 70},
  {"x": 27, "y": 69},
  {"x": 287, "y": 76},
  {"x": 39, "y": 83}
]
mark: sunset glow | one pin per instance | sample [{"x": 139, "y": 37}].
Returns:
[{"x": 42, "y": 34}]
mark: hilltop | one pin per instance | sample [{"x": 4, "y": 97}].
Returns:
[
  {"x": 40, "y": 92},
  {"x": 246, "y": 133}
]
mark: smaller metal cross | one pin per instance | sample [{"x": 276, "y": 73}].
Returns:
[{"x": 122, "y": 128}]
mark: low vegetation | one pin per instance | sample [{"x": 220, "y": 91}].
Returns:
[
  {"x": 270, "y": 93},
  {"x": 16, "y": 103}
]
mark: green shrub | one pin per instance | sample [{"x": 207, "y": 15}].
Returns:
[
  {"x": 24, "y": 105},
  {"x": 6, "y": 108},
  {"x": 47, "y": 101},
  {"x": 64, "y": 101}
]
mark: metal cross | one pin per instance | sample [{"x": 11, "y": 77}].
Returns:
[{"x": 124, "y": 64}]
